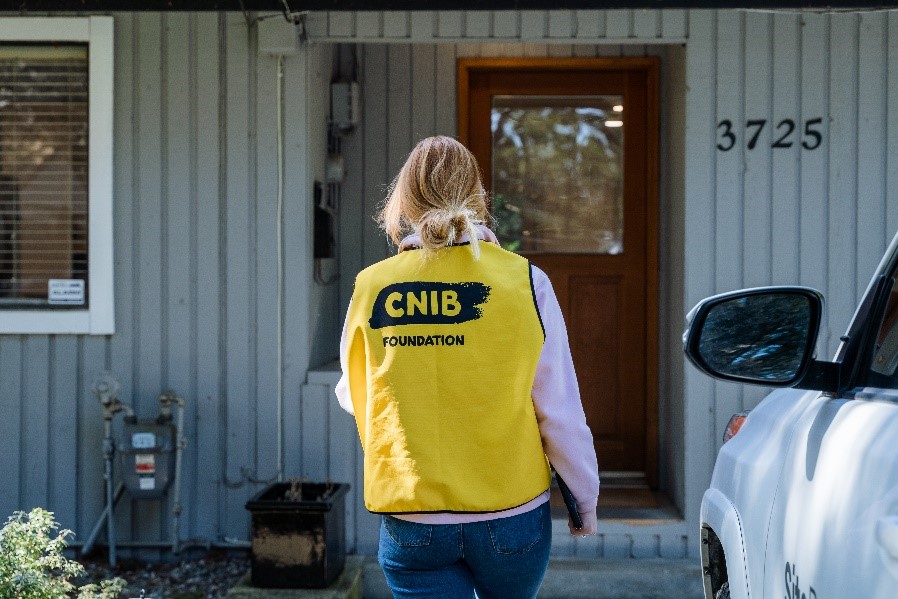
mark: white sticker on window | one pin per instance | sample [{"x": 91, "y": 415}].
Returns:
[
  {"x": 147, "y": 483},
  {"x": 65, "y": 291}
]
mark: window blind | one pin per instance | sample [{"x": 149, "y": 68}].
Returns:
[{"x": 43, "y": 176}]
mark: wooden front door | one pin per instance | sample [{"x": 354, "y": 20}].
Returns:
[{"x": 568, "y": 150}]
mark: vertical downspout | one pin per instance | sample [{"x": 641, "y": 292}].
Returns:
[{"x": 280, "y": 267}]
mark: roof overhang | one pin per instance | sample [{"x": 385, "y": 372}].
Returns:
[{"x": 294, "y": 6}]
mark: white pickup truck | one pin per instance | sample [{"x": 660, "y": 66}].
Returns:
[{"x": 803, "y": 502}]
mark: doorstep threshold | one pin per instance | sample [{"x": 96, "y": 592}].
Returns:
[{"x": 630, "y": 505}]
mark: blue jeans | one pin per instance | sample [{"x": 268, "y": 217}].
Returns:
[{"x": 505, "y": 558}]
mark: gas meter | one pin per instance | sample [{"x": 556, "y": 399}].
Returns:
[{"x": 147, "y": 454}]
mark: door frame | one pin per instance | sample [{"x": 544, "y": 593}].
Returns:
[{"x": 650, "y": 65}]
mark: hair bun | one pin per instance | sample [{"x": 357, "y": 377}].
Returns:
[
  {"x": 438, "y": 193},
  {"x": 459, "y": 221},
  {"x": 436, "y": 229}
]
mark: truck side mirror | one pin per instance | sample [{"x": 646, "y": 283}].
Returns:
[{"x": 762, "y": 336}]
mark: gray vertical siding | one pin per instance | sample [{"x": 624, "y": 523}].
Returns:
[
  {"x": 195, "y": 271},
  {"x": 790, "y": 215}
]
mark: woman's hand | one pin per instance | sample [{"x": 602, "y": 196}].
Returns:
[{"x": 590, "y": 525}]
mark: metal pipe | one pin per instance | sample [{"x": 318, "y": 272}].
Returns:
[
  {"x": 280, "y": 266},
  {"x": 155, "y": 545},
  {"x": 234, "y": 544},
  {"x": 176, "y": 491},
  {"x": 229, "y": 543},
  {"x": 92, "y": 537},
  {"x": 109, "y": 454},
  {"x": 166, "y": 400}
]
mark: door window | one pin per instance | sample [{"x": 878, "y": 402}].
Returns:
[
  {"x": 557, "y": 173},
  {"x": 884, "y": 365}
]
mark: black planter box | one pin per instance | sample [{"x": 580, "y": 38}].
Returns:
[{"x": 298, "y": 543}]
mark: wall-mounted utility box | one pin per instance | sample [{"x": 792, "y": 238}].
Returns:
[
  {"x": 147, "y": 457},
  {"x": 277, "y": 37},
  {"x": 345, "y": 105}
]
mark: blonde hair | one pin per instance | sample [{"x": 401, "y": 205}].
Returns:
[{"x": 438, "y": 193}]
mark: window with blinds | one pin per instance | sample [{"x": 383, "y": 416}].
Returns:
[{"x": 44, "y": 176}]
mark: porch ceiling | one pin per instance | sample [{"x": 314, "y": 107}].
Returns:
[{"x": 294, "y": 6}]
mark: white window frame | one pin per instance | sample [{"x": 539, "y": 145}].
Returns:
[{"x": 99, "y": 317}]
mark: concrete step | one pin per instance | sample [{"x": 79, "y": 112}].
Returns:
[{"x": 569, "y": 578}]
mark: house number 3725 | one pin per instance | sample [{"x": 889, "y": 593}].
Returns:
[{"x": 784, "y": 134}]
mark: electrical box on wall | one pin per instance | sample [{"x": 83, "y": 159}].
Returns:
[
  {"x": 345, "y": 104},
  {"x": 277, "y": 37}
]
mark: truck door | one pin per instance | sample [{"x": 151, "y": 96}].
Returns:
[{"x": 833, "y": 530}]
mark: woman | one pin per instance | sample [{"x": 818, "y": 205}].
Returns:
[{"x": 457, "y": 368}]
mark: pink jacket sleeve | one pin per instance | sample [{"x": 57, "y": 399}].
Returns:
[{"x": 567, "y": 440}]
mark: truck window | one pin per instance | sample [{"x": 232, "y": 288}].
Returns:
[{"x": 884, "y": 366}]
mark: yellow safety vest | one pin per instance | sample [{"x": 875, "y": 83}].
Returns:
[{"x": 442, "y": 355}]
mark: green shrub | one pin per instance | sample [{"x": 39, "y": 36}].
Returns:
[{"x": 32, "y": 565}]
